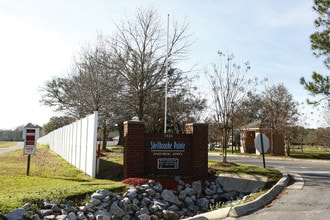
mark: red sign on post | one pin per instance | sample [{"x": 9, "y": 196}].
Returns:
[{"x": 30, "y": 135}]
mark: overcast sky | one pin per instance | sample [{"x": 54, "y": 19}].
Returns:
[{"x": 38, "y": 39}]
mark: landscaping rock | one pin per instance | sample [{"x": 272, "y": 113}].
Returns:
[
  {"x": 16, "y": 214},
  {"x": 197, "y": 187},
  {"x": 117, "y": 211},
  {"x": 144, "y": 217},
  {"x": 45, "y": 212},
  {"x": 149, "y": 201},
  {"x": 103, "y": 217},
  {"x": 71, "y": 216},
  {"x": 35, "y": 217},
  {"x": 169, "y": 196}
]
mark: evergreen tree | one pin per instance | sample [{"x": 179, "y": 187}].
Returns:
[{"x": 320, "y": 44}]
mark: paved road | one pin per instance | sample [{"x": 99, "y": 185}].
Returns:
[
  {"x": 8, "y": 149},
  {"x": 310, "y": 202}
]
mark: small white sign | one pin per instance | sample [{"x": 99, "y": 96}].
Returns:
[
  {"x": 29, "y": 150},
  {"x": 30, "y": 136}
]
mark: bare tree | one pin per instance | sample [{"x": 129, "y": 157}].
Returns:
[
  {"x": 90, "y": 86},
  {"x": 141, "y": 52},
  {"x": 214, "y": 133},
  {"x": 55, "y": 123},
  {"x": 279, "y": 111},
  {"x": 184, "y": 106},
  {"x": 229, "y": 88}
]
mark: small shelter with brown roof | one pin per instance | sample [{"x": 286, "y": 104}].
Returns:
[{"x": 250, "y": 131}]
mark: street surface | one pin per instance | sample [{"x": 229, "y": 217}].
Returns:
[
  {"x": 310, "y": 202},
  {"x": 19, "y": 145}
]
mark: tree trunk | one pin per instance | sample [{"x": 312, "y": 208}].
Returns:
[
  {"x": 104, "y": 138},
  {"x": 224, "y": 145},
  {"x": 224, "y": 154},
  {"x": 121, "y": 134},
  {"x": 287, "y": 147},
  {"x": 141, "y": 108},
  {"x": 272, "y": 151}
]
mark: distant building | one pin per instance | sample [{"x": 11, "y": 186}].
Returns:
[
  {"x": 113, "y": 138},
  {"x": 250, "y": 131}
]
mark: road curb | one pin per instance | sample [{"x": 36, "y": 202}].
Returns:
[
  {"x": 260, "y": 202},
  {"x": 298, "y": 181},
  {"x": 246, "y": 208}
]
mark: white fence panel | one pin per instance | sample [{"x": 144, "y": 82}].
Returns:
[
  {"x": 92, "y": 140},
  {"x": 76, "y": 143},
  {"x": 83, "y": 147}
]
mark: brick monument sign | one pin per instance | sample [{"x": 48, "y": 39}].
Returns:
[{"x": 165, "y": 154}]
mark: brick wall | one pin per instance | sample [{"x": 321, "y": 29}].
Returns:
[
  {"x": 188, "y": 152},
  {"x": 199, "y": 156},
  {"x": 133, "y": 149}
]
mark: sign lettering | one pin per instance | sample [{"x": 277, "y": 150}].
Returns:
[
  {"x": 168, "y": 163},
  {"x": 159, "y": 146}
]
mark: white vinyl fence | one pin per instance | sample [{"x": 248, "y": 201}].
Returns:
[{"x": 76, "y": 143}]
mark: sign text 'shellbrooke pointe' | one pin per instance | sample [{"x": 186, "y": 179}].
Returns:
[{"x": 167, "y": 146}]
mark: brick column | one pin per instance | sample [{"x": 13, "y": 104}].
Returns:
[
  {"x": 199, "y": 157},
  {"x": 133, "y": 149}
]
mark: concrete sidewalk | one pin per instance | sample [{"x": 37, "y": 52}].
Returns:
[
  {"x": 249, "y": 207},
  {"x": 245, "y": 183}
]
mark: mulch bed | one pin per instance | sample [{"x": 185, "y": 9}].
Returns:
[{"x": 171, "y": 184}]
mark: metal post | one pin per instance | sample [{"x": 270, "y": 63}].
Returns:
[
  {"x": 232, "y": 127},
  {"x": 232, "y": 137},
  {"x": 28, "y": 165},
  {"x": 262, "y": 150},
  {"x": 166, "y": 72}
]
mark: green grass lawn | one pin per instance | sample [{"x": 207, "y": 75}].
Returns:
[
  {"x": 317, "y": 153},
  {"x": 229, "y": 150},
  {"x": 308, "y": 152},
  {"x": 50, "y": 178},
  {"x": 272, "y": 174},
  {"x": 5, "y": 144}
]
